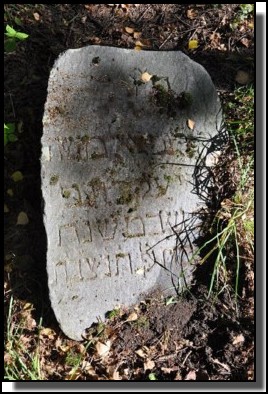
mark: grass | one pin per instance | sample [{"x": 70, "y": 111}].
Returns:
[
  {"x": 233, "y": 226},
  {"x": 20, "y": 363}
]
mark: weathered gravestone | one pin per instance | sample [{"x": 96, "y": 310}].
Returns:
[{"x": 122, "y": 132}]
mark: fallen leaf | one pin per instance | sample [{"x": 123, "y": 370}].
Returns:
[
  {"x": 242, "y": 77},
  {"x": 245, "y": 41},
  {"x": 116, "y": 376},
  {"x": 137, "y": 48},
  {"x": 17, "y": 176},
  {"x": 6, "y": 209},
  {"x": 64, "y": 348},
  {"x": 136, "y": 34},
  {"x": 192, "y": 44},
  {"x": 141, "y": 353},
  {"x": 190, "y": 124},
  {"x": 139, "y": 43},
  {"x": 149, "y": 364},
  {"x": 225, "y": 366},
  {"x": 132, "y": 317},
  {"x": 28, "y": 305},
  {"x": 191, "y": 14},
  {"x": 103, "y": 349},
  {"x": 190, "y": 376},
  {"x": 47, "y": 332},
  {"x": 10, "y": 192},
  {"x": 129, "y": 30},
  {"x": 238, "y": 339},
  {"x": 145, "y": 77},
  {"x": 36, "y": 16},
  {"x": 212, "y": 158},
  {"x": 22, "y": 219}
]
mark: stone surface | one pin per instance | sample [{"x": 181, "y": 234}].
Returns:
[{"x": 118, "y": 158}]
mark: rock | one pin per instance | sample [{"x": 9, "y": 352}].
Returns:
[{"x": 117, "y": 176}]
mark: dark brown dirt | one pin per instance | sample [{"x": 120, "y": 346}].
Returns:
[{"x": 191, "y": 338}]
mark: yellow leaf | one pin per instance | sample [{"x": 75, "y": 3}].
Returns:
[
  {"x": 139, "y": 43},
  {"x": 17, "y": 176},
  {"x": 145, "y": 77},
  {"x": 10, "y": 192},
  {"x": 137, "y": 48},
  {"x": 22, "y": 219},
  {"x": 129, "y": 30},
  {"x": 28, "y": 305},
  {"x": 192, "y": 44},
  {"x": 103, "y": 349},
  {"x": 190, "y": 124}
]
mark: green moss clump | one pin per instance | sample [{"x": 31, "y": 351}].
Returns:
[
  {"x": 53, "y": 180},
  {"x": 66, "y": 194}
]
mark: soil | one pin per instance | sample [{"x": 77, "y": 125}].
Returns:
[{"x": 191, "y": 338}]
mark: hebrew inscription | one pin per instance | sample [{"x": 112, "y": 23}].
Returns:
[{"x": 118, "y": 163}]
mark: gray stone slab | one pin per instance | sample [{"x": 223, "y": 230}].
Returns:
[{"x": 118, "y": 160}]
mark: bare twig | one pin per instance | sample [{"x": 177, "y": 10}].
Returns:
[{"x": 168, "y": 37}]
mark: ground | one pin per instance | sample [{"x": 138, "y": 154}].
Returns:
[{"x": 192, "y": 337}]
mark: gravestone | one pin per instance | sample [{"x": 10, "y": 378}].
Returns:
[{"x": 122, "y": 133}]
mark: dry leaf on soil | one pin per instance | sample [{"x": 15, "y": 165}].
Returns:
[
  {"x": 191, "y": 14},
  {"x": 47, "y": 332},
  {"x": 22, "y": 219},
  {"x": 190, "y": 376},
  {"x": 129, "y": 30},
  {"x": 149, "y": 364},
  {"x": 245, "y": 41},
  {"x": 141, "y": 353},
  {"x": 132, "y": 317},
  {"x": 103, "y": 349},
  {"x": 136, "y": 34},
  {"x": 190, "y": 124},
  {"x": 36, "y": 16},
  {"x": 238, "y": 339}
]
